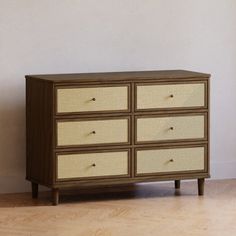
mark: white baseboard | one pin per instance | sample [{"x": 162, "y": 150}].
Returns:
[
  {"x": 15, "y": 184},
  {"x": 223, "y": 170},
  {"x": 18, "y": 184}
]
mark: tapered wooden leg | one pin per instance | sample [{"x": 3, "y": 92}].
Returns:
[
  {"x": 34, "y": 187},
  {"x": 201, "y": 186},
  {"x": 177, "y": 184},
  {"x": 55, "y": 196}
]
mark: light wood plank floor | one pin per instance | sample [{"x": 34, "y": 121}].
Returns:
[{"x": 142, "y": 210}]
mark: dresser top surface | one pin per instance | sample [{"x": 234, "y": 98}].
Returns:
[{"x": 119, "y": 76}]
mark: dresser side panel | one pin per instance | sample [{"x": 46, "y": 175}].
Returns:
[{"x": 39, "y": 131}]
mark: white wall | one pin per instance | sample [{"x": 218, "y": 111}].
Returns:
[{"x": 51, "y": 36}]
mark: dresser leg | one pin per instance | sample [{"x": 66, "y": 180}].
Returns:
[
  {"x": 201, "y": 186},
  {"x": 177, "y": 184},
  {"x": 55, "y": 196},
  {"x": 34, "y": 187}
]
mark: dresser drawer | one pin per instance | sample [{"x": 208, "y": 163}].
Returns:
[
  {"x": 170, "y": 160},
  {"x": 92, "y": 132},
  {"x": 161, "y": 96},
  {"x": 154, "y": 129},
  {"x": 85, "y": 165},
  {"x": 92, "y": 99}
]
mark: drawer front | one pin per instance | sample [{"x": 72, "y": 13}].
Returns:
[
  {"x": 170, "y": 96},
  {"x": 92, "y": 99},
  {"x": 93, "y": 165},
  {"x": 170, "y": 160},
  {"x": 90, "y": 132},
  {"x": 170, "y": 128}
]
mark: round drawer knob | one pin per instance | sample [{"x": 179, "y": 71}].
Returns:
[
  {"x": 172, "y": 95},
  {"x": 171, "y": 128},
  {"x": 93, "y": 165},
  {"x": 93, "y": 99},
  {"x": 171, "y": 160},
  {"x": 93, "y": 132}
]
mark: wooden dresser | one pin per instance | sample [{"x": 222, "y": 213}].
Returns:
[{"x": 102, "y": 129}]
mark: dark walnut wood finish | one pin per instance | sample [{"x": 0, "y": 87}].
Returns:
[{"x": 42, "y": 118}]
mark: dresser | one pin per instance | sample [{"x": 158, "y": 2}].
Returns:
[{"x": 106, "y": 129}]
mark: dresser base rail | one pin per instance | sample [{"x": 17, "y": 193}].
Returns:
[{"x": 55, "y": 191}]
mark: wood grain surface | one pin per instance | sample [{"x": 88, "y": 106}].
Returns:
[
  {"x": 120, "y": 76},
  {"x": 138, "y": 210}
]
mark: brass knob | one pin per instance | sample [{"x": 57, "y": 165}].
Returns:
[
  {"x": 93, "y": 132},
  {"x": 171, "y": 128},
  {"x": 172, "y": 95},
  {"x": 93, "y": 99},
  {"x": 171, "y": 160},
  {"x": 93, "y": 165}
]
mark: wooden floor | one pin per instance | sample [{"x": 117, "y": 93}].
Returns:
[{"x": 142, "y": 210}]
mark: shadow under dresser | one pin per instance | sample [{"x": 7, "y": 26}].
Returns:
[{"x": 99, "y": 129}]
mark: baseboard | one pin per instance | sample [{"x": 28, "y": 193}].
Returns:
[
  {"x": 18, "y": 184},
  {"x": 223, "y": 170}
]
